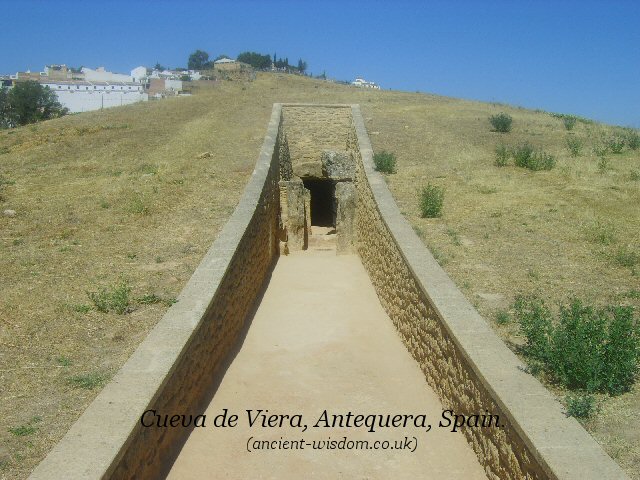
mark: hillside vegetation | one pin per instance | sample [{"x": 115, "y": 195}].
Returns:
[{"x": 114, "y": 209}]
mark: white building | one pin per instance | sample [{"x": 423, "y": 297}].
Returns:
[
  {"x": 362, "y": 83},
  {"x": 222, "y": 61},
  {"x": 194, "y": 74},
  {"x": 138, "y": 74},
  {"x": 101, "y": 75},
  {"x": 84, "y": 96},
  {"x": 173, "y": 85},
  {"x": 164, "y": 74}
]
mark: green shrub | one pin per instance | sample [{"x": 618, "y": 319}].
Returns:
[
  {"x": 525, "y": 156},
  {"x": 112, "y": 299},
  {"x": 541, "y": 161},
  {"x": 601, "y": 149},
  {"x": 522, "y": 155},
  {"x": 580, "y": 406},
  {"x": 578, "y": 118},
  {"x": 431, "y": 201},
  {"x": 534, "y": 320},
  {"x": 621, "y": 351},
  {"x": 633, "y": 139},
  {"x": 569, "y": 121},
  {"x": 574, "y": 144},
  {"x": 502, "y": 155},
  {"x": 616, "y": 143},
  {"x": 577, "y": 347},
  {"x": 385, "y": 162},
  {"x": 501, "y": 122},
  {"x": 585, "y": 348}
]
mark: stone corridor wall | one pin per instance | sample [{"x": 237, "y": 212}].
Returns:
[
  {"x": 310, "y": 129},
  {"x": 461, "y": 357},
  {"x": 173, "y": 370}
]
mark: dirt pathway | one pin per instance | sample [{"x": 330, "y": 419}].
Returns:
[{"x": 321, "y": 341}]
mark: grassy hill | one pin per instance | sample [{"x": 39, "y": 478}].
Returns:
[{"x": 114, "y": 210}]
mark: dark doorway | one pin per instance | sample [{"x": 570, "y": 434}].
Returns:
[{"x": 323, "y": 211}]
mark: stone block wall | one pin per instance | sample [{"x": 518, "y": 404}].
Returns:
[
  {"x": 175, "y": 367},
  {"x": 310, "y": 129},
  {"x": 462, "y": 359}
]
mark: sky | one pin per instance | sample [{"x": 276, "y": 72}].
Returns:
[{"x": 561, "y": 56}]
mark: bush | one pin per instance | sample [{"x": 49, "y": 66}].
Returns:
[
  {"x": 586, "y": 348},
  {"x": 431, "y": 200},
  {"x": 541, "y": 161},
  {"x": 501, "y": 122},
  {"x": 113, "y": 299},
  {"x": 601, "y": 149},
  {"x": 502, "y": 155},
  {"x": 580, "y": 406},
  {"x": 616, "y": 143},
  {"x": 633, "y": 139},
  {"x": 525, "y": 156},
  {"x": 569, "y": 121},
  {"x": 534, "y": 320},
  {"x": 574, "y": 144},
  {"x": 385, "y": 162},
  {"x": 522, "y": 155}
]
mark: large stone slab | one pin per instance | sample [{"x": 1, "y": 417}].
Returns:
[
  {"x": 294, "y": 214},
  {"x": 338, "y": 165},
  {"x": 308, "y": 170},
  {"x": 346, "y": 200}
]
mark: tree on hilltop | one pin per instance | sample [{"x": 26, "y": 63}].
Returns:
[
  {"x": 256, "y": 60},
  {"x": 198, "y": 60},
  {"x": 302, "y": 66}
]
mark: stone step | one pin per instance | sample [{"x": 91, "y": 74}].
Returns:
[{"x": 322, "y": 238}]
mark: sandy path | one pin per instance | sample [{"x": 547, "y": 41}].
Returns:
[{"x": 321, "y": 341}]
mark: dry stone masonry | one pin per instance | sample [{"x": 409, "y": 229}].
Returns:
[
  {"x": 317, "y": 156},
  {"x": 316, "y": 167}
]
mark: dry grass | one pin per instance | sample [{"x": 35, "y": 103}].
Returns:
[{"x": 120, "y": 195}]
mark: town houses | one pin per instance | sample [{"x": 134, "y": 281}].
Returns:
[{"x": 86, "y": 89}]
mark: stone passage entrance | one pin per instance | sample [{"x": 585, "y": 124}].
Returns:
[
  {"x": 317, "y": 179},
  {"x": 323, "y": 202}
]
